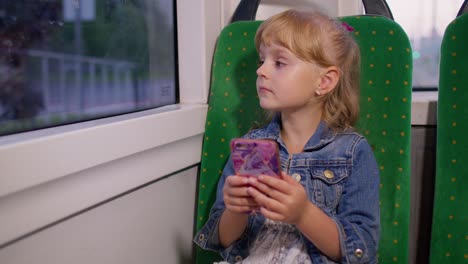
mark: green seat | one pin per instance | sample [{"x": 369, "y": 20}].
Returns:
[
  {"x": 449, "y": 237},
  {"x": 385, "y": 118},
  {"x": 233, "y": 109}
]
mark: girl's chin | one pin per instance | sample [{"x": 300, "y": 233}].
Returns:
[{"x": 268, "y": 107}]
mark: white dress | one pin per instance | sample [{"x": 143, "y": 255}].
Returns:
[{"x": 277, "y": 243}]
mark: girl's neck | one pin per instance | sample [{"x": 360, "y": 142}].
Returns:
[{"x": 297, "y": 128}]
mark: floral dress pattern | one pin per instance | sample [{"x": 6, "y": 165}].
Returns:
[{"x": 279, "y": 243}]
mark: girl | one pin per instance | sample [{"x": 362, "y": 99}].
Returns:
[{"x": 324, "y": 208}]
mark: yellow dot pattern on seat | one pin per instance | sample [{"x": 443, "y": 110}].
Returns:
[
  {"x": 449, "y": 237},
  {"x": 233, "y": 110},
  {"x": 385, "y": 120}
]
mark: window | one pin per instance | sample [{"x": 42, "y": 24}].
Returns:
[
  {"x": 65, "y": 61},
  {"x": 425, "y": 22}
]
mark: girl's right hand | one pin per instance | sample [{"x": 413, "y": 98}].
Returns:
[{"x": 235, "y": 195}]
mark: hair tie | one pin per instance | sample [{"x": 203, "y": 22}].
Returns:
[{"x": 347, "y": 26}]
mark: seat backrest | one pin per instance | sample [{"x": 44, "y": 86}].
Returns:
[
  {"x": 449, "y": 237},
  {"x": 233, "y": 109},
  {"x": 385, "y": 103},
  {"x": 385, "y": 120}
]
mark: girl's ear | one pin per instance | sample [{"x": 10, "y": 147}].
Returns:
[{"x": 329, "y": 80}]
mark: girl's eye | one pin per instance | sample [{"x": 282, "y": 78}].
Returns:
[
  {"x": 279, "y": 64},
  {"x": 260, "y": 62}
]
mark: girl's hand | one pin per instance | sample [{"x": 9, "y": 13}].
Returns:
[
  {"x": 235, "y": 195},
  {"x": 280, "y": 199}
]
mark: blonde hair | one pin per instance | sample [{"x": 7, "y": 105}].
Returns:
[{"x": 317, "y": 38}]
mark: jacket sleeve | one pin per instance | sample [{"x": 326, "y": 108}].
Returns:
[
  {"x": 358, "y": 214},
  {"x": 208, "y": 236}
]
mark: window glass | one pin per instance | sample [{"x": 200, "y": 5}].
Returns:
[
  {"x": 425, "y": 21},
  {"x": 65, "y": 61}
]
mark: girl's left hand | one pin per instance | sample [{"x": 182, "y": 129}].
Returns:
[{"x": 280, "y": 199}]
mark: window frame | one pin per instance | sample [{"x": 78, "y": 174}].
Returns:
[
  {"x": 47, "y": 57},
  {"x": 32, "y": 158}
]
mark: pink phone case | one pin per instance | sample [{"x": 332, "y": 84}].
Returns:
[{"x": 252, "y": 157}]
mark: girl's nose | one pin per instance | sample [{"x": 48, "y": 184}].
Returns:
[{"x": 261, "y": 70}]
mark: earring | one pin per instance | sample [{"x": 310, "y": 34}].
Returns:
[{"x": 318, "y": 91}]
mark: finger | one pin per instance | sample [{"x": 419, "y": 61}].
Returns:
[
  {"x": 236, "y": 181},
  {"x": 240, "y": 209},
  {"x": 267, "y": 190},
  {"x": 236, "y": 201},
  {"x": 256, "y": 195},
  {"x": 278, "y": 184},
  {"x": 236, "y": 191},
  {"x": 264, "y": 201},
  {"x": 287, "y": 178},
  {"x": 271, "y": 214}
]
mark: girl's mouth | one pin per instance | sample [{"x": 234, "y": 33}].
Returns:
[{"x": 263, "y": 89}]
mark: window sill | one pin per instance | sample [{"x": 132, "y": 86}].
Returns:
[
  {"x": 36, "y": 157},
  {"x": 424, "y": 108}
]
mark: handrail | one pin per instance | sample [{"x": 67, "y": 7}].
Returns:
[
  {"x": 246, "y": 10},
  {"x": 377, "y": 7},
  {"x": 463, "y": 8}
]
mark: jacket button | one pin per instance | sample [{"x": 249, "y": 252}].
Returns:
[
  {"x": 296, "y": 177},
  {"x": 201, "y": 237},
  {"x": 328, "y": 174},
  {"x": 358, "y": 253},
  {"x": 238, "y": 258}
]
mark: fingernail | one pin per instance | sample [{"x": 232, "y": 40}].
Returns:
[{"x": 260, "y": 177}]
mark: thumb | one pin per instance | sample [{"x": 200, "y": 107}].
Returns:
[{"x": 286, "y": 177}]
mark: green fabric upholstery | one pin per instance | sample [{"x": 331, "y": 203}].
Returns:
[
  {"x": 449, "y": 238},
  {"x": 233, "y": 109},
  {"x": 385, "y": 118}
]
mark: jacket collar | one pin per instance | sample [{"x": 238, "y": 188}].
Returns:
[{"x": 322, "y": 136}]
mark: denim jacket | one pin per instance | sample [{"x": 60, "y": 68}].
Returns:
[{"x": 341, "y": 177}]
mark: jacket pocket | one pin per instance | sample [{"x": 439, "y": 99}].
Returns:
[{"x": 326, "y": 186}]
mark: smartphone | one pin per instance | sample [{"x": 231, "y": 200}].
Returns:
[{"x": 252, "y": 157}]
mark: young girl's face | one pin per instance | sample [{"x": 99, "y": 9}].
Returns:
[{"x": 285, "y": 82}]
